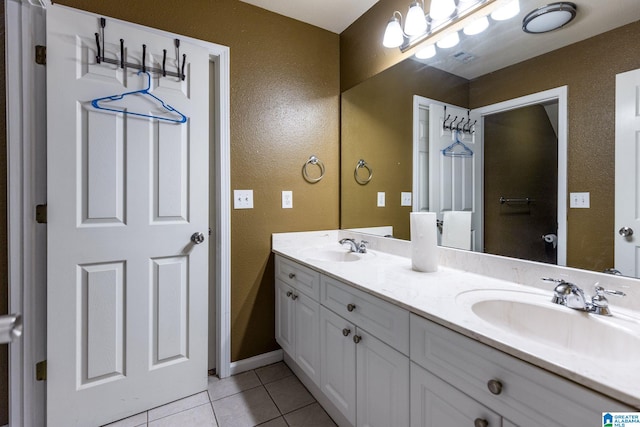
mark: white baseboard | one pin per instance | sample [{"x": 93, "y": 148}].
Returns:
[{"x": 256, "y": 362}]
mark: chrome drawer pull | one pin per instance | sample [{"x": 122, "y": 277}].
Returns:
[
  {"x": 479, "y": 422},
  {"x": 346, "y": 332},
  {"x": 494, "y": 386},
  {"x": 357, "y": 339},
  {"x": 351, "y": 307},
  {"x": 292, "y": 275}
]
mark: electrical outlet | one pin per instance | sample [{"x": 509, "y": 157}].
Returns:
[
  {"x": 405, "y": 198},
  {"x": 242, "y": 199},
  {"x": 579, "y": 200},
  {"x": 381, "y": 200},
  {"x": 287, "y": 199}
]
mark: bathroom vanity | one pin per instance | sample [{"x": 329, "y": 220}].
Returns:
[{"x": 381, "y": 345}]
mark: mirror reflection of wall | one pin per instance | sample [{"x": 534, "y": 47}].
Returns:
[
  {"x": 588, "y": 68},
  {"x": 521, "y": 183}
]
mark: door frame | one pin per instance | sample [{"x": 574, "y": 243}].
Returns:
[
  {"x": 558, "y": 94},
  {"x": 26, "y": 187}
]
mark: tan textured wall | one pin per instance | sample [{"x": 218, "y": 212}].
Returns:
[
  {"x": 377, "y": 126},
  {"x": 284, "y": 107},
  {"x": 520, "y": 160},
  {"x": 589, "y": 70}
]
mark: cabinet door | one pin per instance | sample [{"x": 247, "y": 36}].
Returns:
[
  {"x": 435, "y": 403},
  {"x": 382, "y": 384},
  {"x": 307, "y": 336},
  {"x": 338, "y": 362},
  {"x": 285, "y": 318}
]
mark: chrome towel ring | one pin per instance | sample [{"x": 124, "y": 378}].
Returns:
[
  {"x": 313, "y": 160},
  {"x": 362, "y": 164}
]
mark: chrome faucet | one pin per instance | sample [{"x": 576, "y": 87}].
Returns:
[
  {"x": 360, "y": 248},
  {"x": 573, "y": 296}
]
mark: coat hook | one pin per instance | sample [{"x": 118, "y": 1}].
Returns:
[
  {"x": 452, "y": 122},
  {"x": 177, "y": 44},
  {"x": 164, "y": 61},
  {"x": 98, "y": 56},
  {"x": 144, "y": 54},
  {"x": 184, "y": 60},
  {"x": 121, "y": 53}
]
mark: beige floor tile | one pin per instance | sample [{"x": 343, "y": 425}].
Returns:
[
  {"x": 134, "y": 421},
  {"x": 309, "y": 416},
  {"x": 278, "y": 422},
  {"x": 245, "y": 409},
  {"x": 271, "y": 373},
  {"x": 200, "y": 416},
  {"x": 220, "y": 388},
  {"x": 289, "y": 394},
  {"x": 178, "y": 406}
]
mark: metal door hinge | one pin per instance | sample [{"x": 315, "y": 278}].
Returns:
[
  {"x": 41, "y": 55},
  {"x": 41, "y": 214},
  {"x": 41, "y": 371}
]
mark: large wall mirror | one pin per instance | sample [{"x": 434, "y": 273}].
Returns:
[{"x": 519, "y": 157}]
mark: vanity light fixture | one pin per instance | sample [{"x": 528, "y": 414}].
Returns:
[
  {"x": 550, "y": 17},
  {"x": 426, "y": 52},
  {"x": 507, "y": 11},
  {"x": 448, "y": 41},
  {"x": 477, "y": 26},
  {"x": 441, "y": 9}
]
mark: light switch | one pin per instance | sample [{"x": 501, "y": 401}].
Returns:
[
  {"x": 405, "y": 199},
  {"x": 381, "y": 200},
  {"x": 243, "y": 199},
  {"x": 579, "y": 200},
  {"x": 287, "y": 199}
]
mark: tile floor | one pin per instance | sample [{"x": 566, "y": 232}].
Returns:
[{"x": 269, "y": 397}]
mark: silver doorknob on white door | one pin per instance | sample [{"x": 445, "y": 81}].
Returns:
[
  {"x": 197, "y": 238},
  {"x": 626, "y": 232}
]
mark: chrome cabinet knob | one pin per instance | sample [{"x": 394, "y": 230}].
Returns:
[
  {"x": 292, "y": 275},
  {"x": 357, "y": 339},
  {"x": 289, "y": 293},
  {"x": 346, "y": 332},
  {"x": 479, "y": 422},
  {"x": 197, "y": 238},
  {"x": 494, "y": 386},
  {"x": 626, "y": 232},
  {"x": 351, "y": 307}
]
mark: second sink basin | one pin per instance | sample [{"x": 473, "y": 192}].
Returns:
[{"x": 532, "y": 316}]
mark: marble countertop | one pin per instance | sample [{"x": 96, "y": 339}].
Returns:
[{"x": 446, "y": 296}]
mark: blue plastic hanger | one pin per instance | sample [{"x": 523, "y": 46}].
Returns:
[
  {"x": 449, "y": 151},
  {"x": 145, "y": 92}
]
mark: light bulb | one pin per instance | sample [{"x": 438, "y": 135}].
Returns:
[
  {"x": 450, "y": 40},
  {"x": 416, "y": 22},
  {"x": 426, "y": 52},
  {"x": 441, "y": 9},
  {"x": 477, "y": 26},
  {"x": 507, "y": 11},
  {"x": 393, "y": 34}
]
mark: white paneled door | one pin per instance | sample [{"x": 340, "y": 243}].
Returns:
[
  {"x": 126, "y": 286},
  {"x": 455, "y": 182},
  {"x": 627, "y": 181}
]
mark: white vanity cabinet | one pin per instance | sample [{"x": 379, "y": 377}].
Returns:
[
  {"x": 298, "y": 315},
  {"x": 367, "y": 380},
  {"x": 511, "y": 388}
]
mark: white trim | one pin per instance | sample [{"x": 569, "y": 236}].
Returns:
[
  {"x": 559, "y": 94},
  {"x": 26, "y": 187},
  {"x": 256, "y": 361}
]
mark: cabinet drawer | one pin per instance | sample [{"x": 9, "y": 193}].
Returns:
[
  {"x": 528, "y": 395},
  {"x": 299, "y": 277},
  {"x": 385, "y": 321}
]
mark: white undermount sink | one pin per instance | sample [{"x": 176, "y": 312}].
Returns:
[
  {"x": 333, "y": 254},
  {"x": 534, "y": 317}
]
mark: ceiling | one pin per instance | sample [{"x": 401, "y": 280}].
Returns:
[
  {"x": 503, "y": 44},
  {"x": 332, "y": 15}
]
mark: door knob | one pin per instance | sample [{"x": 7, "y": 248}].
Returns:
[
  {"x": 197, "y": 238},
  {"x": 10, "y": 328},
  {"x": 351, "y": 307},
  {"x": 346, "y": 332},
  {"x": 357, "y": 339},
  {"x": 494, "y": 386},
  {"x": 626, "y": 232}
]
